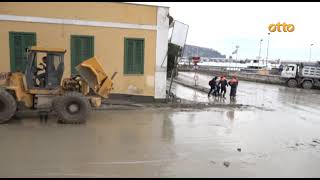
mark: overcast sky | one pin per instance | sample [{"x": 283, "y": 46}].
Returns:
[{"x": 223, "y": 25}]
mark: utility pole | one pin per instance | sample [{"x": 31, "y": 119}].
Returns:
[
  {"x": 310, "y": 53},
  {"x": 237, "y": 47},
  {"x": 267, "y": 50},
  {"x": 260, "y": 49},
  {"x": 173, "y": 71},
  {"x": 237, "y": 52}
]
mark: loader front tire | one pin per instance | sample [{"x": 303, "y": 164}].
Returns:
[
  {"x": 72, "y": 108},
  {"x": 8, "y": 106}
]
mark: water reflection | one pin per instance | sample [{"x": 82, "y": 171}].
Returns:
[
  {"x": 195, "y": 96},
  {"x": 230, "y": 115},
  {"x": 167, "y": 128}
]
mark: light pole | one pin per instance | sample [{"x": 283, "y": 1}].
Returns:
[
  {"x": 260, "y": 49},
  {"x": 237, "y": 47},
  {"x": 267, "y": 49},
  {"x": 310, "y": 52},
  {"x": 237, "y": 53},
  {"x": 229, "y": 60}
]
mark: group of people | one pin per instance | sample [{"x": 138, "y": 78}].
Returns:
[{"x": 218, "y": 87}]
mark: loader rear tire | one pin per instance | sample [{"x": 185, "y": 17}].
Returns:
[
  {"x": 72, "y": 108},
  {"x": 8, "y": 106}
]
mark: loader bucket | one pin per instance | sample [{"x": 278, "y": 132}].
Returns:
[{"x": 91, "y": 70}]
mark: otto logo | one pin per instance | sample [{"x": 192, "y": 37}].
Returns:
[{"x": 284, "y": 27}]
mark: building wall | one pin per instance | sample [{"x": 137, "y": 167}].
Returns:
[
  {"x": 109, "y": 23},
  {"x": 161, "y": 53},
  {"x": 97, "y": 11},
  {"x": 109, "y": 48}
]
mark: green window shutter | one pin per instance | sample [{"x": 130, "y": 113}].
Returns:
[
  {"x": 17, "y": 52},
  {"x": 19, "y": 41},
  {"x": 130, "y": 60},
  {"x": 82, "y": 48},
  {"x": 75, "y": 53},
  {"x": 129, "y": 57},
  {"x": 134, "y": 56},
  {"x": 139, "y": 56},
  {"x": 125, "y": 63},
  {"x": 29, "y": 40}
]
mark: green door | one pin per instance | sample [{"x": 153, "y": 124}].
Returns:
[
  {"x": 82, "y": 48},
  {"x": 19, "y": 41}
]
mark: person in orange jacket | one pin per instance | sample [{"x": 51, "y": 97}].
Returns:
[
  {"x": 223, "y": 83},
  {"x": 233, "y": 84}
]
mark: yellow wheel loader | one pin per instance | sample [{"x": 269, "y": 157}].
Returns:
[{"x": 43, "y": 90}]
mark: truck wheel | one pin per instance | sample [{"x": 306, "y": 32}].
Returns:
[
  {"x": 292, "y": 83},
  {"x": 307, "y": 84},
  {"x": 8, "y": 106},
  {"x": 72, "y": 108}
]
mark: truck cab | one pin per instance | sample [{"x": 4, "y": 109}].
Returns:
[{"x": 290, "y": 71}]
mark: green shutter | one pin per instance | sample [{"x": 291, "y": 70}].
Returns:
[
  {"x": 19, "y": 41},
  {"x": 134, "y": 56},
  {"x": 139, "y": 56},
  {"x": 82, "y": 48},
  {"x": 130, "y": 56}
]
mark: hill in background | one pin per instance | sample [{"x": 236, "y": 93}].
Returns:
[{"x": 191, "y": 50}]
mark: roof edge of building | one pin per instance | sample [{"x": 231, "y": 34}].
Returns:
[{"x": 142, "y": 4}]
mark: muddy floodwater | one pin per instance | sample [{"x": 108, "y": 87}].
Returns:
[{"x": 278, "y": 135}]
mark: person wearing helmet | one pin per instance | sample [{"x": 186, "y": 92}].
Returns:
[{"x": 233, "y": 84}]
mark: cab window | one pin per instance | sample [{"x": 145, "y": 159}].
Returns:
[{"x": 290, "y": 68}]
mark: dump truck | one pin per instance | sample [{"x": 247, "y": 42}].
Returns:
[
  {"x": 305, "y": 75},
  {"x": 71, "y": 98}
]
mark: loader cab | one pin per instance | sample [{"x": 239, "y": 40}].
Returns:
[{"x": 47, "y": 77}]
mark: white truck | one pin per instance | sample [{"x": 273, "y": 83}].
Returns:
[{"x": 305, "y": 75}]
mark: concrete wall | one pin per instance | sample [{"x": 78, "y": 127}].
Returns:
[
  {"x": 271, "y": 79},
  {"x": 161, "y": 54},
  {"x": 109, "y": 23}
]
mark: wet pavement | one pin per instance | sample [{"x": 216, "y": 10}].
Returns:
[
  {"x": 280, "y": 139},
  {"x": 257, "y": 94}
]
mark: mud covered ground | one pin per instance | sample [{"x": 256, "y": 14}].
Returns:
[{"x": 270, "y": 131}]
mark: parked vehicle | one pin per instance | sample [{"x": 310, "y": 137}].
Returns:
[
  {"x": 70, "y": 97},
  {"x": 305, "y": 75}
]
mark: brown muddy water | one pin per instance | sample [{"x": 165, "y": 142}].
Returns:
[{"x": 280, "y": 139}]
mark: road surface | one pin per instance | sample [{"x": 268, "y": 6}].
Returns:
[{"x": 278, "y": 137}]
